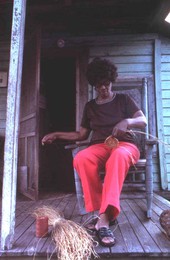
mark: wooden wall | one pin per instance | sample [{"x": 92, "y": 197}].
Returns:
[
  {"x": 165, "y": 82},
  {"x": 133, "y": 58},
  {"x": 4, "y": 66}
]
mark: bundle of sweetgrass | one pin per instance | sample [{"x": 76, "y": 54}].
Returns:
[{"x": 72, "y": 241}]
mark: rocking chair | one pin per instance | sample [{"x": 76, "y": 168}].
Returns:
[{"x": 139, "y": 89}]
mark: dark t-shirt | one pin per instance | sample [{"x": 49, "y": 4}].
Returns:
[{"x": 101, "y": 118}]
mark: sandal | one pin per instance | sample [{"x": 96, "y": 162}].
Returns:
[
  {"x": 105, "y": 232},
  {"x": 91, "y": 225},
  {"x": 165, "y": 221}
]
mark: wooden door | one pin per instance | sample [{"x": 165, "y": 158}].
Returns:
[{"x": 29, "y": 142}]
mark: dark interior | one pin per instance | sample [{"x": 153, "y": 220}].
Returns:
[{"x": 59, "y": 88}]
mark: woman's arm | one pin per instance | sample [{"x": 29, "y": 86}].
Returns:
[
  {"x": 138, "y": 120},
  {"x": 80, "y": 135}
]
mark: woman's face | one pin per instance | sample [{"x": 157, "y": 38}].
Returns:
[{"x": 104, "y": 88}]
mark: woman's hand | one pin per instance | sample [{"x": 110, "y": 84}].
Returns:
[
  {"x": 69, "y": 136},
  {"x": 49, "y": 138},
  {"x": 120, "y": 128},
  {"x": 138, "y": 120}
]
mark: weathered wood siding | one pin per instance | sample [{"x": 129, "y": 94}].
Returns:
[
  {"x": 133, "y": 58},
  {"x": 4, "y": 66},
  {"x": 165, "y": 82}
]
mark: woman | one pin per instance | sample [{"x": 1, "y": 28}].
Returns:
[{"x": 109, "y": 114}]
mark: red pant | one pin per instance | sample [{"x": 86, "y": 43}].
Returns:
[{"x": 116, "y": 161}]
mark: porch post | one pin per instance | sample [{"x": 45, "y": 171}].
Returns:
[
  {"x": 159, "y": 115},
  {"x": 12, "y": 125}
]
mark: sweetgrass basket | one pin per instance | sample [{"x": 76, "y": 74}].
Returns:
[{"x": 164, "y": 220}]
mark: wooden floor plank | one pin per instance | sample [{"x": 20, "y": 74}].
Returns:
[
  {"x": 48, "y": 248},
  {"x": 144, "y": 237},
  {"x": 162, "y": 199},
  {"x": 136, "y": 236},
  {"x": 120, "y": 247},
  {"x": 152, "y": 228},
  {"x": 161, "y": 204},
  {"x": 129, "y": 236}
]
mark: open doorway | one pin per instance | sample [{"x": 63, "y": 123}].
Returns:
[{"x": 59, "y": 89}]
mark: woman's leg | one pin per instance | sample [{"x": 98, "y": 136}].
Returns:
[
  {"x": 87, "y": 164},
  {"x": 117, "y": 167}
]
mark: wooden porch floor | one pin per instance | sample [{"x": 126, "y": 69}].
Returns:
[{"x": 136, "y": 235}]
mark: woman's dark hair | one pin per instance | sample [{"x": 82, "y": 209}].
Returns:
[{"x": 99, "y": 70}]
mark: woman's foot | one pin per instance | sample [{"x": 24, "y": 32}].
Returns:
[
  {"x": 106, "y": 237},
  {"x": 91, "y": 226},
  {"x": 104, "y": 233}
]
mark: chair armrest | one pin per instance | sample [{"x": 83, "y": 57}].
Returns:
[
  {"x": 76, "y": 145},
  {"x": 151, "y": 141},
  {"x": 70, "y": 146}
]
